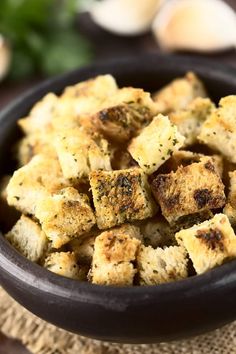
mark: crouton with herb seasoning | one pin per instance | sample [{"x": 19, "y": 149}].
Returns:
[
  {"x": 189, "y": 190},
  {"x": 28, "y": 238},
  {"x": 114, "y": 254},
  {"x": 230, "y": 207},
  {"x": 179, "y": 93},
  {"x": 190, "y": 119},
  {"x": 157, "y": 232},
  {"x": 65, "y": 215},
  {"x": 210, "y": 243},
  {"x": 65, "y": 264},
  {"x": 157, "y": 266},
  {"x": 219, "y": 130},
  {"x": 125, "y": 114},
  {"x": 155, "y": 144},
  {"x": 33, "y": 182},
  {"x": 88, "y": 96},
  {"x": 121, "y": 196},
  {"x": 40, "y": 116},
  {"x": 79, "y": 154}
]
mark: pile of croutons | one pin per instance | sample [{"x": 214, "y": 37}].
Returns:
[{"x": 118, "y": 187}]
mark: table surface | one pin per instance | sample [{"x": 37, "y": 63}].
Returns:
[{"x": 109, "y": 47}]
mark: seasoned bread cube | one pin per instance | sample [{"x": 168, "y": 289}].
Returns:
[
  {"x": 230, "y": 207},
  {"x": 88, "y": 96},
  {"x": 28, "y": 238},
  {"x": 190, "y": 119},
  {"x": 121, "y": 196},
  {"x": 34, "y": 144},
  {"x": 219, "y": 130},
  {"x": 124, "y": 114},
  {"x": 114, "y": 252},
  {"x": 210, "y": 243},
  {"x": 34, "y": 181},
  {"x": 189, "y": 190},
  {"x": 179, "y": 93},
  {"x": 65, "y": 264},
  {"x": 157, "y": 266},
  {"x": 157, "y": 232},
  {"x": 155, "y": 144},
  {"x": 79, "y": 154},
  {"x": 40, "y": 116},
  {"x": 65, "y": 215}
]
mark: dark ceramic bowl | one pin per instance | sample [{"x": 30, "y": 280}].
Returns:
[{"x": 134, "y": 314}]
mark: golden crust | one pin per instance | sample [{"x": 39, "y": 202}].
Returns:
[
  {"x": 65, "y": 215},
  {"x": 209, "y": 244},
  {"x": 189, "y": 190},
  {"x": 121, "y": 196},
  {"x": 230, "y": 207}
]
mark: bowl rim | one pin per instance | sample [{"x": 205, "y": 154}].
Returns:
[{"x": 39, "y": 278}]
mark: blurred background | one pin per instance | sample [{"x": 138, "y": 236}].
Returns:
[{"x": 42, "y": 38}]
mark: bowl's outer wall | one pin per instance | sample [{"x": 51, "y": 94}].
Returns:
[{"x": 129, "y": 315}]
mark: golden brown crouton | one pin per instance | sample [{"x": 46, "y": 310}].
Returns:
[
  {"x": 230, "y": 207},
  {"x": 65, "y": 264},
  {"x": 121, "y": 196},
  {"x": 157, "y": 232},
  {"x": 28, "y": 238},
  {"x": 210, "y": 243},
  {"x": 124, "y": 114},
  {"x": 190, "y": 120},
  {"x": 79, "y": 154},
  {"x": 40, "y": 116},
  {"x": 189, "y": 190},
  {"x": 157, "y": 266},
  {"x": 155, "y": 144},
  {"x": 219, "y": 130},
  {"x": 179, "y": 93},
  {"x": 114, "y": 253},
  {"x": 88, "y": 96},
  {"x": 35, "y": 144},
  {"x": 34, "y": 181},
  {"x": 65, "y": 215}
]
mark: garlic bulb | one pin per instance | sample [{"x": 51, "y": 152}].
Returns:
[
  {"x": 125, "y": 17},
  {"x": 5, "y": 58},
  {"x": 201, "y": 25}
]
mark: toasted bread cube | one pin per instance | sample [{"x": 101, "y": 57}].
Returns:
[
  {"x": 219, "y": 130},
  {"x": 65, "y": 215},
  {"x": 157, "y": 266},
  {"x": 114, "y": 252},
  {"x": 230, "y": 207},
  {"x": 189, "y": 190},
  {"x": 79, "y": 154},
  {"x": 88, "y": 96},
  {"x": 155, "y": 144},
  {"x": 179, "y": 93},
  {"x": 157, "y": 232},
  {"x": 190, "y": 120},
  {"x": 28, "y": 238},
  {"x": 34, "y": 144},
  {"x": 121, "y": 196},
  {"x": 40, "y": 116},
  {"x": 33, "y": 182},
  {"x": 65, "y": 264},
  {"x": 209, "y": 244},
  {"x": 124, "y": 114}
]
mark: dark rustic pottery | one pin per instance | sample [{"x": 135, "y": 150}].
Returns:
[{"x": 134, "y": 314}]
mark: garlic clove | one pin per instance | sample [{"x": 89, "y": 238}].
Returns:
[
  {"x": 200, "y": 25},
  {"x": 5, "y": 57},
  {"x": 125, "y": 17}
]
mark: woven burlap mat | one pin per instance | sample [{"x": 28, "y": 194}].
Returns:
[{"x": 42, "y": 338}]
